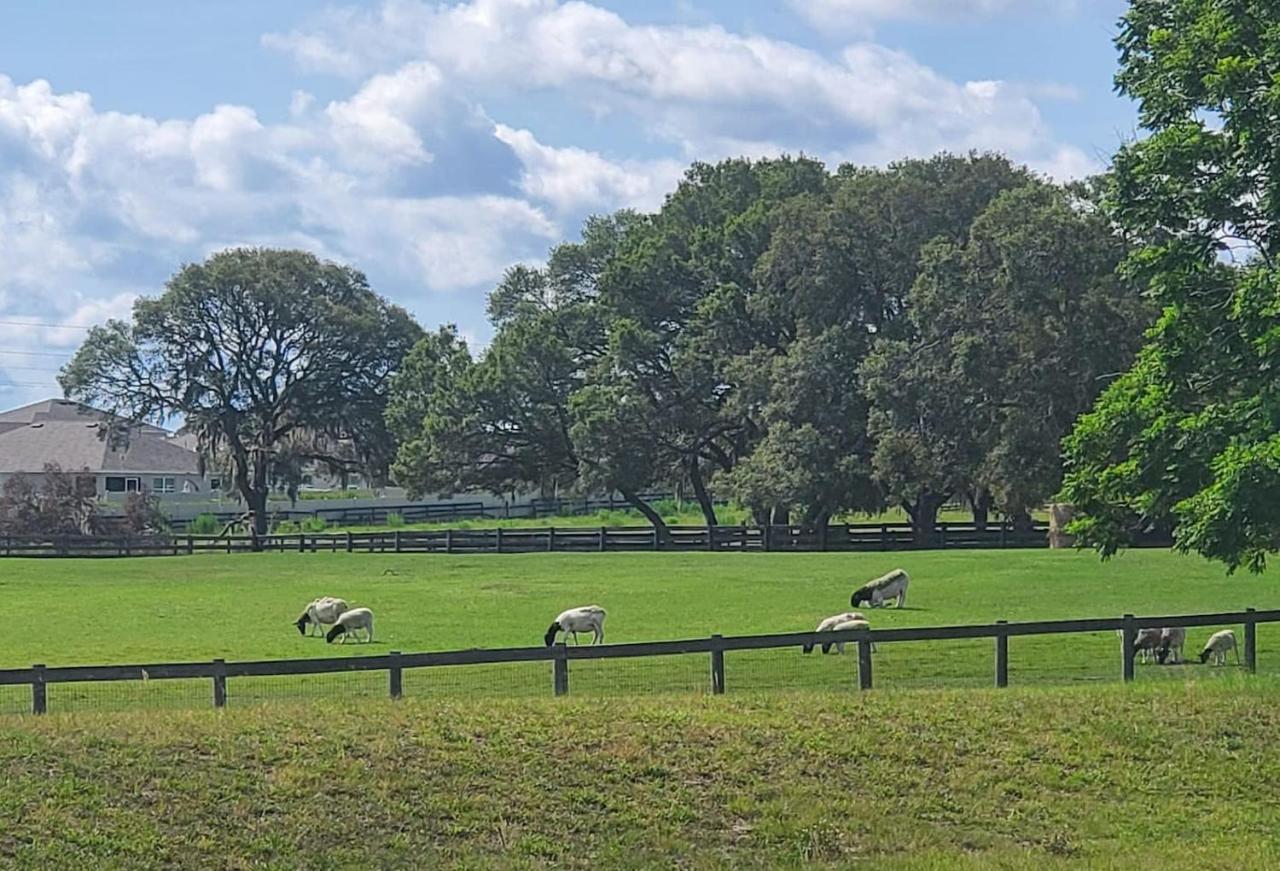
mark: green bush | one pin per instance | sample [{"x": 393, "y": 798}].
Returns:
[
  {"x": 286, "y": 527},
  {"x": 315, "y": 524},
  {"x": 204, "y": 524},
  {"x": 395, "y": 521}
]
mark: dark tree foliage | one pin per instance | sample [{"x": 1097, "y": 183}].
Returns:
[
  {"x": 273, "y": 358},
  {"x": 58, "y": 503}
]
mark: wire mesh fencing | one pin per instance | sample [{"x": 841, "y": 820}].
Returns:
[{"x": 1029, "y": 654}]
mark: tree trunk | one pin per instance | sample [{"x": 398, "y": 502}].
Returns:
[
  {"x": 649, "y": 514},
  {"x": 760, "y": 516},
  {"x": 924, "y": 516},
  {"x": 1022, "y": 521},
  {"x": 700, "y": 490},
  {"x": 781, "y": 516},
  {"x": 981, "y": 505}
]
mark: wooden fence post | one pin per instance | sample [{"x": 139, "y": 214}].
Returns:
[
  {"x": 1004, "y": 532},
  {"x": 1129, "y": 635},
  {"x": 1250, "y": 642},
  {"x": 219, "y": 683},
  {"x": 448, "y": 541},
  {"x": 39, "y": 700},
  {"x": 1002, "y": 656},
  {"x": 396, "y": 538},
  {"x": 653, "y": 539},
  {"x": 350, "y": 543},
  {"x": 822, "y": 537},
  {"x": 942, "y": 536},
  {"x": 397, "y": 675},
  {"x": 603, "y": 538},
  {"x": 551, "y": 539},
  {"x": 864, "y": 664},
  {"x": 884, "y": 537},
  {"x": 561, "y": 669},
  {"x": 766, "y": 537},
  {"x": 717, "y": 666},
  {"x": 191, "y": 544},
  {"x": 498, "y": 533}
]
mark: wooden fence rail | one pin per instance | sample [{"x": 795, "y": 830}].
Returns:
[
  {"x": 561, "y": 656},
  {"x": 877, "y": 537}
]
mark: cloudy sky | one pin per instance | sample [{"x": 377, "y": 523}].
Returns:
[{"x": 433, "y": 144}]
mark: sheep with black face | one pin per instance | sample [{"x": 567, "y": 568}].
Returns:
[
  {"x": 588, "y": 618},
  {"x": 876, "y": 593}
]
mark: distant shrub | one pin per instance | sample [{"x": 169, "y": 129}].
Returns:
[
  {"x": 315, "y": 524},
  {"x": 204, "y": 524},
  {"x": 395, "y": 520},
  {"x": 286, "y": 527}
]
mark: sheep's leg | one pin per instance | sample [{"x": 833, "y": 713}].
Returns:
[{"x": 1236, "y": 651}]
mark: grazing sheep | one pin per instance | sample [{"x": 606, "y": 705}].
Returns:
[
  {"x": 589, "y": 618},
  {"x": 882, "y": 589},
  {"x": 1146, "y": 643},
  {"x": 1215, "y": 649},
  {"x": 321, "y": 612},
  {"x": 350, "y": 622},
  {"x": 827, "y": 624},
  {"x": 1172, "y": 638},
  {"x": 840, "y": 627}
]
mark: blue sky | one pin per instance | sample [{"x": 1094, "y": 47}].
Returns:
[{"x": 433, "y": 144}]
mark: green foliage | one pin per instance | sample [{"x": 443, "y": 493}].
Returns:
[
  {"x": 204, "y": 524},
  {"x": 57, "y": 503},
  {"x": 273, "y": 359},
  {"x": 1186, "y": 439},
  {"x": 142, "y": 514},
  {"x": 395, "y": 521},
  {"x": 318, "y": 524}
]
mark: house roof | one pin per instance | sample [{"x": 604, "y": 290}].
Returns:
[
  {"x": 66, "y": 433},
  {"x": 59, "y": 410}
]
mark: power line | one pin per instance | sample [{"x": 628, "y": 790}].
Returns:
[
  {"x": 59, "y": 355},
  {"x": 7, "y": 368},
  {"x": 45, "y": 324},
  {"x": 3, "y": 384}
]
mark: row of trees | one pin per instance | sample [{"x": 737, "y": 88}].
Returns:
[
  {"x": 808, "y": 342},
  {"x": 802, "y": 342}
]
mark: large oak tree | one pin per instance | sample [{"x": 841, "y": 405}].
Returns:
[{"x": 272, "y": 358}]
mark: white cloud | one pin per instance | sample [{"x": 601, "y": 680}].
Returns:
[
  {"x": 708, "y": 91},
  {"x": 380, "y": 122},
  {"x": 574, "y": 179}
]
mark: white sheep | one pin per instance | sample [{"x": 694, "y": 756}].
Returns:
[
  {"x": 1145, "y": 644},
  {"x": 1215, "y": 649},
  {"x": 882, "y": 589},
  {"x": 349, "y": 622},
  {"x": 588, "y": 618},
  {"x": 829, "y": 622},
  {"x": 842, "y": 626},
  {"x": 319, "y": 613},
  {"x": 1172, "y": 639}
]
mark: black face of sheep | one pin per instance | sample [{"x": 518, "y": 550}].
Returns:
[
  {"x": 302, "y": 625},
  {"x": 1204, "y": 656},
  {"x": 334, "y": 633},
  {"x": 1162, "y": 654},
  {"x": 859, "y": 596},
  {"x": 551, "y": 634}
]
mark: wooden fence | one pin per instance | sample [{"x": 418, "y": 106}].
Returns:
[
  {"x": 845, "y": 537},
  {"x": 39, "y": 677}
]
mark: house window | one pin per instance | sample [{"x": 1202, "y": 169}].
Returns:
[
  {"x": 164, "y": 485},
  {"x": 117, "y": 484}
]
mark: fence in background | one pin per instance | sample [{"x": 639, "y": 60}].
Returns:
[
  {"x": 223, "y": 677},
  {"x": 419, "y": 512},
  {"x": 873, "y": 537}
]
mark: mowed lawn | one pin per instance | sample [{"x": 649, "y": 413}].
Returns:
[
  {"x": 1172, "y": 776},
  {"x": 242, "y": 607}
]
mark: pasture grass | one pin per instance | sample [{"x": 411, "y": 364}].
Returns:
[
  {"x": 1175, "y": 776},
  {"x": 242, "y": 607}
]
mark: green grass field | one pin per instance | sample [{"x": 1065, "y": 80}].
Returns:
[
  {"x": 1169, "y": 776},
  {"x": 243, "y": 607}
]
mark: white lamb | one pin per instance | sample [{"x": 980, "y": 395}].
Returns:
[
  {"x": 882, "y": 589},
  {"x": 1172, "y": 639},
  {"x": 349, "y": 623},
  {"x": 1146, "y": 643},
  {"x": 1215, "y": 649},
  {"x": 842, "y": 626},
  {"x": 827, "y": 624},
  {"x": 320, "y": 613},
  {"x": 588, "y": 618}
]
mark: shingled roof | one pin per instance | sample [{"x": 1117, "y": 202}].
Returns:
[{"x": 66, "y": 433}]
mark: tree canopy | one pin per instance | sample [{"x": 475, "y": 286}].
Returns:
[
  {"x": 1188, "y": 439},
  {"x": 272, "y": 358}
]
